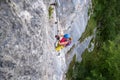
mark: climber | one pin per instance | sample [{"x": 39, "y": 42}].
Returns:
[
  {"x": 63, "y": 42},
  {"x": 54, "y": 4}
]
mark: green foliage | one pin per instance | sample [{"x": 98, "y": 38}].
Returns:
[
  {"x": 50, "y": 10},
  {"x": 103, "y": 63},
  {"x": 107, "y": 16}
]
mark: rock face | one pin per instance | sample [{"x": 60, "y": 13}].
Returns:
[
  {"x": 73, "y": 17},
  {"x": 22, "y": 39},
  {"x": 27, "y": 37}
]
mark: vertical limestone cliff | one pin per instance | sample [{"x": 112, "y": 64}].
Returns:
[{"x": 27, "y": 37}]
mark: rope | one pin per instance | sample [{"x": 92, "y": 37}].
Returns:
[{"x": 59, "y": 29}]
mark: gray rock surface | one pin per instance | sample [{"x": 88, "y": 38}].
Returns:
[
  {"x": 27, "y": 37},
  {"x": 22, "y": 39}
]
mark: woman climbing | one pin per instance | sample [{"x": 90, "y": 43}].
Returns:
[{"x": 63, "y": 41}]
